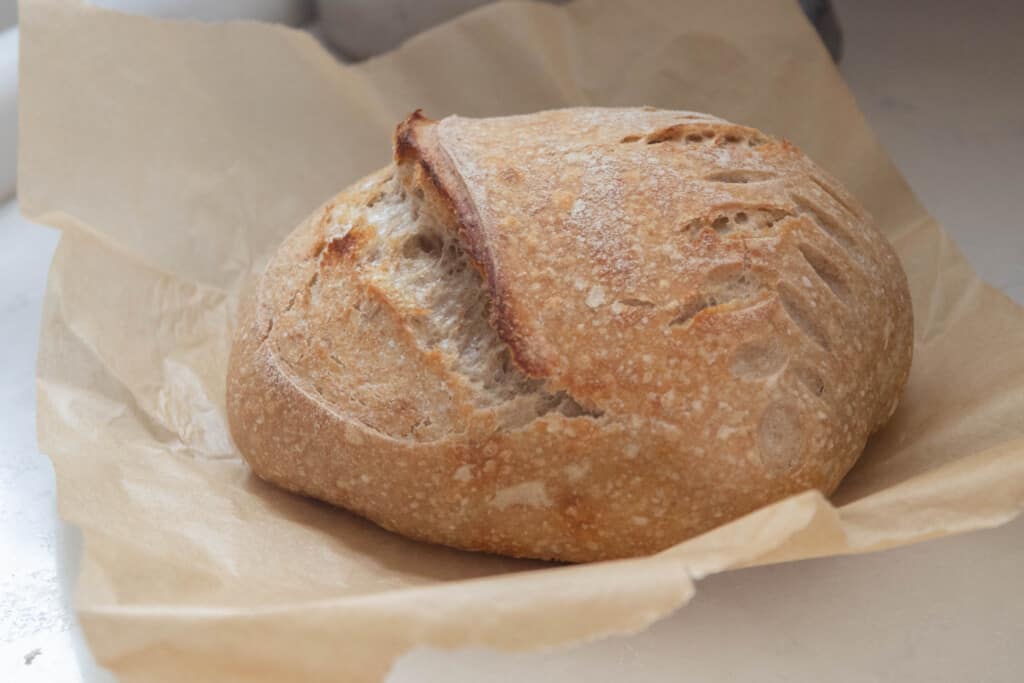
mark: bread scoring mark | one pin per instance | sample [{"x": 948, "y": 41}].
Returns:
[
  {"x": 757, "y": 360},
  {"x": 445, "y": 301},
  {"x": 562, "y": 402},
  {"x": 810, "y": 379},
  {"x": 421, "y": 275},
  {"x": 799, "y": 312},
  {"x": 824, "y": 222},
  {"x": 689, "y": 310},
  {"x": 702, "y": 132},
  {"x": 427, "y": 273},
  {"x": 528, "y": 494},
  {"x": 727, "y": 285},
  {"x": 740, "y": 176},
  {"x": 779, "y": 440},
  {"x": 416, "y": 146},
  {"x": 744, "y": 220},
  {"x": 826, "y": 270},
  {"x": 836, "y": 197}
]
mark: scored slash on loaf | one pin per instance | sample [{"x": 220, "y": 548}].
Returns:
[{"x": 577, "y": 334}]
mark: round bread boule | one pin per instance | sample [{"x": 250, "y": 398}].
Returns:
[{"x": 574, "y": 335}]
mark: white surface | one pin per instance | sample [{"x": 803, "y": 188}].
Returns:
[
  {"x": 8, "y": 111},
  {"x": 941, "y": 84},
  {"x": 947, "y": 611},
  {"x": 291, "y": 12},
  {"x": 31, "y": 612}
]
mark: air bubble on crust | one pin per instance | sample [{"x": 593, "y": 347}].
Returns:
[
  {"x": 695, "y": 133},
  {"x": 742, "y": 221}
]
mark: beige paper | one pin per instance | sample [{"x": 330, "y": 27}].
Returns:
[{"x": 174, "y": 156}]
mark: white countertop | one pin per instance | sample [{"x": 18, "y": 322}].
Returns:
[{"x": 940, "y": 81}]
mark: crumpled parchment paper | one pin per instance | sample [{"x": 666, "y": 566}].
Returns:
[{"x": 174, "y": 156}]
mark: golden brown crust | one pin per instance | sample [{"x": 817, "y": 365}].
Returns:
[{"x": 699, "y": 321}]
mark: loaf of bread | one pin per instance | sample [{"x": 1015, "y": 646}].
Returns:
[{"x": 574, "y": 335}]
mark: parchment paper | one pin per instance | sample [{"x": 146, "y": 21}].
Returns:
[{"x": 174, "y": 156}]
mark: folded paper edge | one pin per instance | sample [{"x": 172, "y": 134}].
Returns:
[{"x": 444, "y": 617}]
